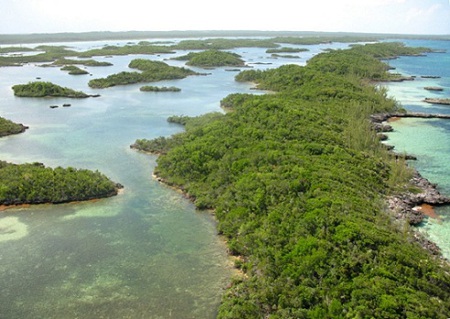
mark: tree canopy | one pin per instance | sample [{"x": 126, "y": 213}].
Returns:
[
  {"x": 46, "y": 89},
  {"x": 8, "y": 127},
  {"x": 34, "y": 184},
  {"x": 212, "y": 58}
]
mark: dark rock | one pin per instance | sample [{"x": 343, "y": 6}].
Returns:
[
  {"x": 433, "y": 88},
  {"x": 430, "y": 76},
  {"x": 437, "y": 101}
]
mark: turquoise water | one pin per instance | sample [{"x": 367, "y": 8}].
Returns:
[
  {"x": 146, "y": 253},
  {"x": 428, "y": 139}
]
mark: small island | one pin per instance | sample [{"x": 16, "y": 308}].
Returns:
[
  {"x": 33, "y": 183},
  {"x": 46, "y": 89},
  {"x": 74, "y": 70},
  {"x": 212, "y": 58},
  {"x": 287, "y": 50},
  {"x": 434, "y": 88},
  {"x": 85, "y": 62},
  {"x": 150, "y": 88}
]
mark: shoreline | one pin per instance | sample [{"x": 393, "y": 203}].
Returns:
[{"x": 409, "y": 206}]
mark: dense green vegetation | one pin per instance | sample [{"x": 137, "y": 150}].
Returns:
[
  {"x": 74, "y": 70},
  {"x": 151, "y": 71},
  {"x": 8, "y": 127},
  {"x": 86, "y": 62},
  {"x": 34, "y": 183},
  {"x": 45, "y": 89},
  {"x": 15, "y": 50},
  {"x": 297, "y": 181},
  {"x": 212, "y": 58},
  {"x": 49, "y": 54},
  {"x": 125, "y": 50},
  {"x": 151, "y": 88},
  {"x": 359, "y": 62}
]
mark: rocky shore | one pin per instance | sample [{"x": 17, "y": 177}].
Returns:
[
  {"x": 407, "y": 206},
  {"x": 437, "y": 101}
]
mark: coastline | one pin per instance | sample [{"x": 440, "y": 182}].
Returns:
[{"x": 413, "y": 206}]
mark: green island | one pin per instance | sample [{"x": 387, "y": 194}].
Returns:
[
  {"x": 8, "y": 127},
  {"x": 151, "y": 88},
  {"x": 85, "y": 62},
  {"x": 74, "y": 70},
  {"x": 287, "y": 50},
  {"x": 212, "y": 58},
  {"x": 36, "y": 184},
  {"x": 151, "y": 71},
  {"x": 46, "y": 89},
  {"x": 289, "y": 56},
  {"x": 127, "y": 49},
  {"x": 298, "y": 181},
  {"x": 224, "y": 44}
]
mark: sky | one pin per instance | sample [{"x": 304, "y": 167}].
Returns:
[{"x": 368, "y": 16}]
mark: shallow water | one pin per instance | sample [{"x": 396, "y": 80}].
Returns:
[{"x": 428, "y": 139}]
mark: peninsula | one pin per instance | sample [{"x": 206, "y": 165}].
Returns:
[
  {"x": 8, "y": 127},
  {"x": 299, "y": 183}
]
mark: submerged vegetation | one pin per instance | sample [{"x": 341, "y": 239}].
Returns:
[
  {"x": 46, "y": 89},
  {"x": 298, "y": 180}
]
